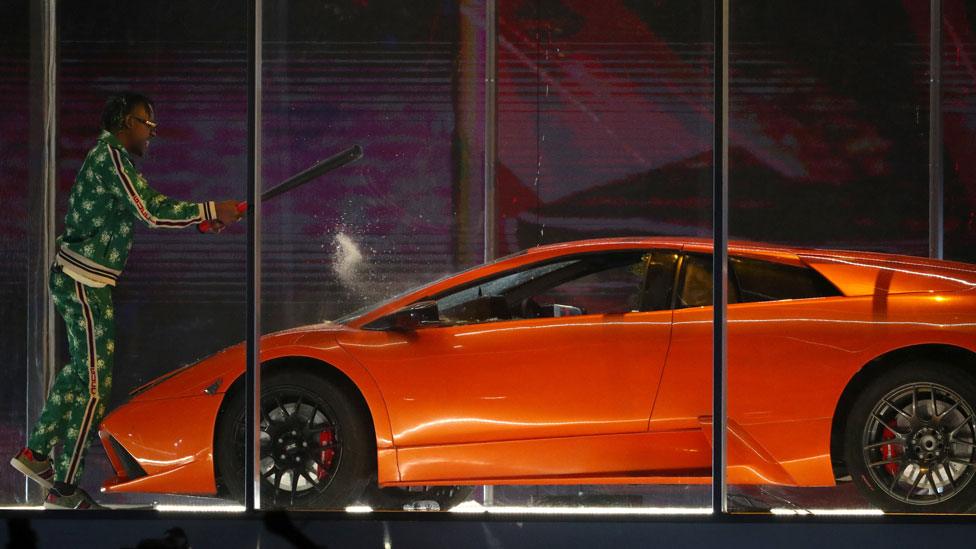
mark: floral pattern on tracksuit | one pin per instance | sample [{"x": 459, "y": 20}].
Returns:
[{"x": 107, "y": 197}]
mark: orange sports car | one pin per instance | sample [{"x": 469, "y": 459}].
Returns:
[{"x": 591, "y": 362}]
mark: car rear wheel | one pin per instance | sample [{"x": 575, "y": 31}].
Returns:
[
  {"x": 315, "y": 444},
  {"x": 910, "y": 441}
]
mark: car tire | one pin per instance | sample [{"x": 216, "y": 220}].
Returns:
[
  {"x": 406, "y": 499},
  {"x": 910, "y": 439},
  {"x": 317, "y": 449}
]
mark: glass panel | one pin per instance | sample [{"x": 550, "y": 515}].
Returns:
[
  {"x": 828, "y": 340},
  {"x": 605, "y": 130},
  {"x": 601, "y": 112},
  {"x": 406, "y": 83},
  {"x": 958, "y": 121},
  {"x": 604, "y": 124},
  {"x": 756, "y": 280},
  {"x": 181, "y": 295},
  {"x": 15, "y": 177}
]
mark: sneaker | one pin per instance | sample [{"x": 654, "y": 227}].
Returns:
[
  {"x": 78, "y": 499},
  {"x": 38, "y": 470}
]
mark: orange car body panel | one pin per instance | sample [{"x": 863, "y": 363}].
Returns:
[
  {"x": 182, "y": 422},
  {"x": 469, "y": 371},
  {"x": 567, "y": 458},
  {"x": 593, "y": 398},
  {"x": 169, "y": 437}
]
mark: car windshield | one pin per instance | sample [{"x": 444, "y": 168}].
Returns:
[{"x": 367, "y": 308}]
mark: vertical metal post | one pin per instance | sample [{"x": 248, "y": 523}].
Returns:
[
  {"x": 936, "y": 186},
  {"x": 720, "y": 232},
  {"x": 252, "y": 455},
  {"x": 43, "y": 188},
  {"x": 491, "y": 127},
  {"x": 491, "y": 150},
  {"x": 467, "y": 139}
]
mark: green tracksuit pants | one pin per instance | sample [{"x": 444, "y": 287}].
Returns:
[{"x": 76, "y": 404}]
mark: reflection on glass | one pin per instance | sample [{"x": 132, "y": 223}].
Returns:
[
  {"x": 605, "y": 130},
  {"x": 847, "y": 369},
  {"x": 482, "y": 378},
  {"x": 181, "y": 294},
  {"x": 546, "y": 375},
  {"x": 444, "y": 382},
  {"x": 958, "y": 122},
  {"x": 406, "y": 83},
  {"x": 848, "y": 383},
  {"x": 604, "y": 120},
  {"x": 15, "y": 237}
]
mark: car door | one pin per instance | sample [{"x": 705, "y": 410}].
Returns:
[
  {"x": 770, "y": 305},
  {"x": 685, "y": 394},
  {"x": 558, "y": 349}
]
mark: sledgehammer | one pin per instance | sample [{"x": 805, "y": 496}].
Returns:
[{"x": 320, "y": 168}]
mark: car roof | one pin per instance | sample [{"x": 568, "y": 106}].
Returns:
[
  {"x": 796, "y": 256},
  {"x": 688, "y": 243}
]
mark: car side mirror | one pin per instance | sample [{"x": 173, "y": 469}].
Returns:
[
  {"x": 408, "y": 318},
  {"x": 566, "y": 310}
]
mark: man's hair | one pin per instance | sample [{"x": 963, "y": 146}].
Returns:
[{"x": 119, "y": 106}]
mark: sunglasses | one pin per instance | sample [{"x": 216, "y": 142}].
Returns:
[{"x": 148, "y": 123}]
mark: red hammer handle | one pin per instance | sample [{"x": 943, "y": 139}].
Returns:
[{"x": 207, "y": 226}]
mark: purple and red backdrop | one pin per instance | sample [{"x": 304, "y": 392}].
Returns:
[{"x": 604, "y": 128}]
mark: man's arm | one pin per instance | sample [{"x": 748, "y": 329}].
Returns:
[{"x": 148, "y": 205}]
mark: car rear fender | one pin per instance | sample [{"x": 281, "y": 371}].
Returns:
[
  {"x": 877, "y": 274},
  {"x": 953, "y": 354}
]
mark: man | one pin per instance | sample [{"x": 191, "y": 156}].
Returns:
[{"x": 107, "y": 197}]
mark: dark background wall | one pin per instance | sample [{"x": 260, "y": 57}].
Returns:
[
  {"x": 606, "y": 122},
  {"x": 604, "y": 128},
  {"x": 14, "y": 243}
]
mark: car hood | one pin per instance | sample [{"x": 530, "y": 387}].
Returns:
[{"x": 215, "y": 373}]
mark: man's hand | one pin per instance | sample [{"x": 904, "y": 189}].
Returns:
[
  {"x": 213, "y": 227},
  {"x": 227, "y": 213}
]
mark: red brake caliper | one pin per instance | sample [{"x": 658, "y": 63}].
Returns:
[
  {"x": 328, "y": 454},
  {"x": 889, "y": 451}
]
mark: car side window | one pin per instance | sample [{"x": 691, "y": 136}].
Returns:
[
  {"x": 750, "y": 280},
  {"x": 695, "y": 283},
  {"x": 485, "y": 301},
  {"x": 614, "y": 286},
  {"x": 613, "y": 282},
  {"x": 767, "y": 281},
  {"x": 659, "y": 283}
]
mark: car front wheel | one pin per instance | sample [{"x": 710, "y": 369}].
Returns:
[
  {"x": 315, "y": 444},
  {"x": 910, "y": 441}
]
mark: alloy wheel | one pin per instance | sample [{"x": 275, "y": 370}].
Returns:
[
  {"x": 300, "y": 447},
  {"x": 919, "y": 444}
]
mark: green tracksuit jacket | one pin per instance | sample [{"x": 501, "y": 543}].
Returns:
[{"x": 108, "y": 196}]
